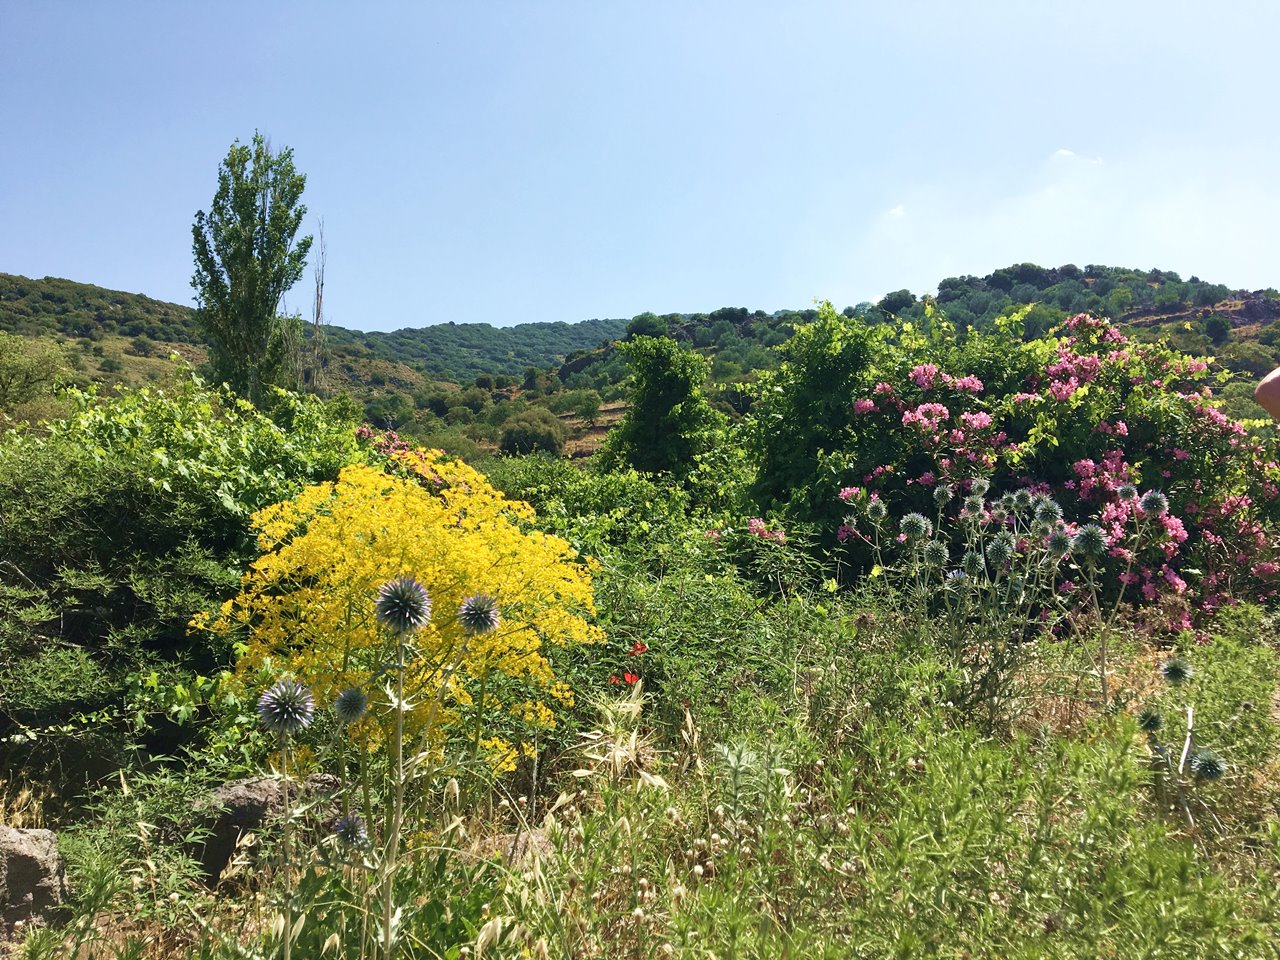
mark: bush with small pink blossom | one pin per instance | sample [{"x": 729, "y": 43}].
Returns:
[{"x": 1081, "y": 414}]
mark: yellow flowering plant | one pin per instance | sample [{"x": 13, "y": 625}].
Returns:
[{"x": 306, "y": 606}]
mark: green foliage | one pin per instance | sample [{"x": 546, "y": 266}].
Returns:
[
  {"x": 463, "y": 351},
  {"x": 28, "y": 369},
  {"x": 119, "y": 524},
  {"x": 534, "y": 430},
  {"x": 51, "y": 307},
  {"x": 1218, "y": 329},
  {"x": 912, "y": 840},
  {"x": 668, "y": 422},
  {"x": 1233, "y": 679},
  {"x": 803, "y": 410},
  {"x": 647, "y": 325},
  {"x": 595, "y": 510},
  {"x": 246, "y": 260}
]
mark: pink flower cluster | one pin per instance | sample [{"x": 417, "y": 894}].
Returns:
[
  {"x": 927, "y": 416},
  {"x": 1106, "y": 477},
  {"x": 385, "y": 442},
  {"x": 965, "y": 384},
  {"x": 757, "y": 528},
  {"x": 924, "y": 375}
]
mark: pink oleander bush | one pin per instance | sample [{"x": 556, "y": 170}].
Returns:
[{"x": 1079, "y": 415}]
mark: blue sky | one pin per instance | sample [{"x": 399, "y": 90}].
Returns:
[{"x": 512, "y": 161}]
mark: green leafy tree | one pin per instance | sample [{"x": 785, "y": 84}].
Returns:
[
  {"x": 804, "y": 408},
  {"x": 28, "y": 368},
  {"x": 246, "y": 259},
  {"x": 647, "y": 324},
  {"x": 532, "y": 430},
  {"x": 669, "y": 421}
]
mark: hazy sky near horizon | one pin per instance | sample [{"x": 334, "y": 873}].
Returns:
[{"x": 515, "y": 160}]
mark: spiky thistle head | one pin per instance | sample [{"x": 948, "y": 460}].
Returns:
[
  {"x": 1176, "y": 670},
  {"x": 1154, "y": 503},
  {"x": 942, "y": 494},
  {"x": 973, "y": 505},
  {"x": 1206, "y": 764},
  {"x": 403, "y": 605},
  {"x": 1150, "y": 720},
  {"x": 351, "y": 705},
  {"x": 1022, "y": 501},
  {"x": 1090, "y": 543},
  {"x": 1058, "y": 542},
  {"x": 916, "y": 526},
  {"x": 1048, "y": 511},
  {"x": 971, "y": 563},
  {"x": 479, "y": 614},
  {"x": 979, "y": 487},
  {"x": 877, "y": 511},
  {"x": 1001, "y": 549},
  {"x": 351, "y": 831},
  {"x": 1127, "y": 491},
  {"x": 286, "y": 707},
  {"x": 936, "y": 553}
]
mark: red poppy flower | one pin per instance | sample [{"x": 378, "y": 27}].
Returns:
[
  {"x": 614, "y": 679},
  {"x": 630, "y": 678},
  {"x": 638, "y": 648}
]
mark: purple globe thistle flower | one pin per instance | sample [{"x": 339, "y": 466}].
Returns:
[
  {"x": 1059, "y": 542},
  {"x": 1001, "y": 549},
  {"x": 936, "y": 553},
  {"x": 1048, "y": 512},
  {"x": 403, "y": 605},
  {"x": 1207, "y": 765},
  {"x": 351, "y": 831},
  {"x": 1091, "y": 542},
  {"x": 1127, "y": 491},
  {"x": 286, "y": 708},
  {"x": 1155, "y": 503},
  {"x": 479, "y": 614},
  {"x": 1176, "y": 670},
  {"x": 916, "y": 526},
  {"x": 1150, "y": 720},
  {"x": 972, "y": 563},
  {"x": 351, "y": 705}
]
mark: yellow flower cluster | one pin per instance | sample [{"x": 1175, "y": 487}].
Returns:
[{"x": 307, "y": 603}]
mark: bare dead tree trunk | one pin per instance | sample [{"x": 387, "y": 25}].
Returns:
[{"x": 318, "y": 347}]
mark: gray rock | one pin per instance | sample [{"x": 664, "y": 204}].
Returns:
[
  {"x": 248, "y": 806},
  {"x": 33, "y": 883}
]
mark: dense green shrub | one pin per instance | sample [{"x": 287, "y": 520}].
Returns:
[
  {"x": 668, "y": 421},
  {"x": 1080, "y": 415},
  {"x": 535, "y": 429},
  {"x": 116, "y": 526}
]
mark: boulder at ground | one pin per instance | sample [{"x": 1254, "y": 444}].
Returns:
[
  {"x": 245, "y": 806},
  {"x": 33, "y": 882}
]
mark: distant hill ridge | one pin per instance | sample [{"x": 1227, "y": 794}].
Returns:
[
  {"x": 1239, "y": 327},
  {"x": 56, "y": 307}
]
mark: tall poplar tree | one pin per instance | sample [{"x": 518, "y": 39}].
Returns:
[{"x": 246, "y": 259}]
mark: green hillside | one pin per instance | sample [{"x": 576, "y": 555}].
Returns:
[
  {"x": 449, "y": 351},
  {"x": 457, "y": 385}
]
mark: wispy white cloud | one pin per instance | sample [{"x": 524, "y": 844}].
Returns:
[{"x": 1155, "y": 210}]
